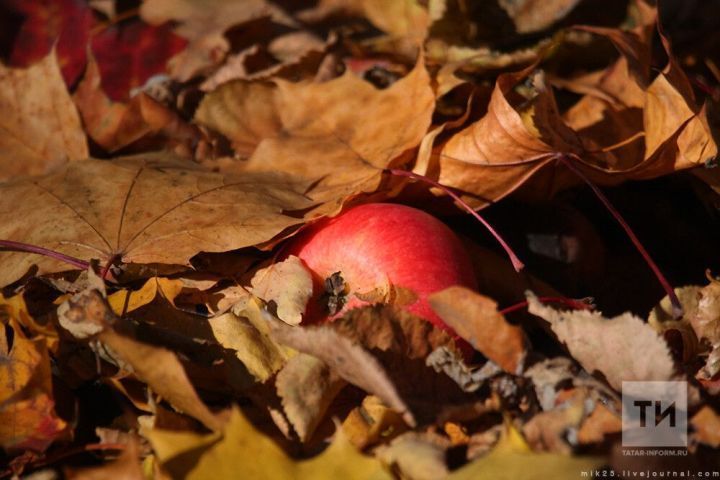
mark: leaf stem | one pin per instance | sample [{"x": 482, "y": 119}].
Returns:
[
  {"x": 25, "y": 247},
  {"x": 677, "y": 308},
  {"x": 516, "y": 262},
  {"x": 575, "y": 304}
]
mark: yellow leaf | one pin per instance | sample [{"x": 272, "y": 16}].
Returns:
[
  {"x": 289, "y": 284},
  {"x": 512, "y": 459},
  {"x": 125, "y": 301},
  {"x": 243, "y": 452}
]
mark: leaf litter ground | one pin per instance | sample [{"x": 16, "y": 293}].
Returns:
[{"x": 155, "y": 156}]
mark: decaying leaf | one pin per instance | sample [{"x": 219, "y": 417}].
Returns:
[
  {"x": 623, "y": 348},
  {"x": 122, "y": 209},
  {"x": 387, "y": 328},
  {"x": 288, "y": 284},
  {"x": 242, "y": 451},
  {"x": 250, "y": 344},
  {"x": 476, "y": 319},
  {"x": 307, "y": 386},
  {"x": 348, "y": 359},
  {"x": 39, "y": 127},
  {"x": 469, "y": 379}
]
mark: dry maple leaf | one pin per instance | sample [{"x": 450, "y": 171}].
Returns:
[
  {"x": 339, "y": 134},
  {"x": 243, "y": 452},
  {"x": 203, "y": 23},
  {"x": 39, "y": 126},
  {"x": 115, "y": 125},
  {"x": 144, "y": 209},
  {"x": 623, "y": 348},
  {"x": 349, "y": 360}
]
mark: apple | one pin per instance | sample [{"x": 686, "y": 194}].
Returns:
[{"x": 376, "y": 245}]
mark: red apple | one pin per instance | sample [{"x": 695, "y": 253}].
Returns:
[{"x": 381, "y": 244}]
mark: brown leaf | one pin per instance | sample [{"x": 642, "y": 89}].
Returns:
[
  {"x": 475, "y": 318},
  {"x": 204, "y": 22},
  {"x": 320, "y": 131},
  {"x": 288, "y": 284},
  {"x": 306, "y": 387},
  {"x": 163, "y": 373},
  {"x": 115, "y": 125},
  {"x": 495, "y": 155},
  {"x": 348, "y": 359},
  {"x": 400, "y": 18},
  {"x": 384, "y": 327},
  {"x": 144, "y": 209},
  {"x": 39, "y": 126},
  {"x": 623, "y": 348}
]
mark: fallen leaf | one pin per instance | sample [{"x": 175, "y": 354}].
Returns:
[
  {"x": 306, "y": 387},
  {"x": 130, "y": 53},
  {"x": 144, "y": 209},
  {"x": 164, "y": 374},
  {"x": 116, "y": 125},
  {"x": 348, "y": 359},
  {"x": 475, "y": 318},
  {"x": 203, "y": 23},
  {"x": 469, "y": 379},
  {"x": 85, "y": 314},
  {"x": 623, "y": 348},
  {"x": 372, "y": 422},
  {"x": 62, "y": 24},
  {"x": 244, "y": 452},
  {"x": 320, "y": 131},
  {"x": 495, "y": 155},
  {"x": 288, "y": 284},
  {"x": 27, "y": 409},
  {"x": 125, "y": 301},
  {"x": 388, "y": 328},
  {"x": 39, "y": 128},
  {"x": 242, "y": 333},
  {"x": 399, "y": 18},
  {"x": 512, "y": 458}
]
